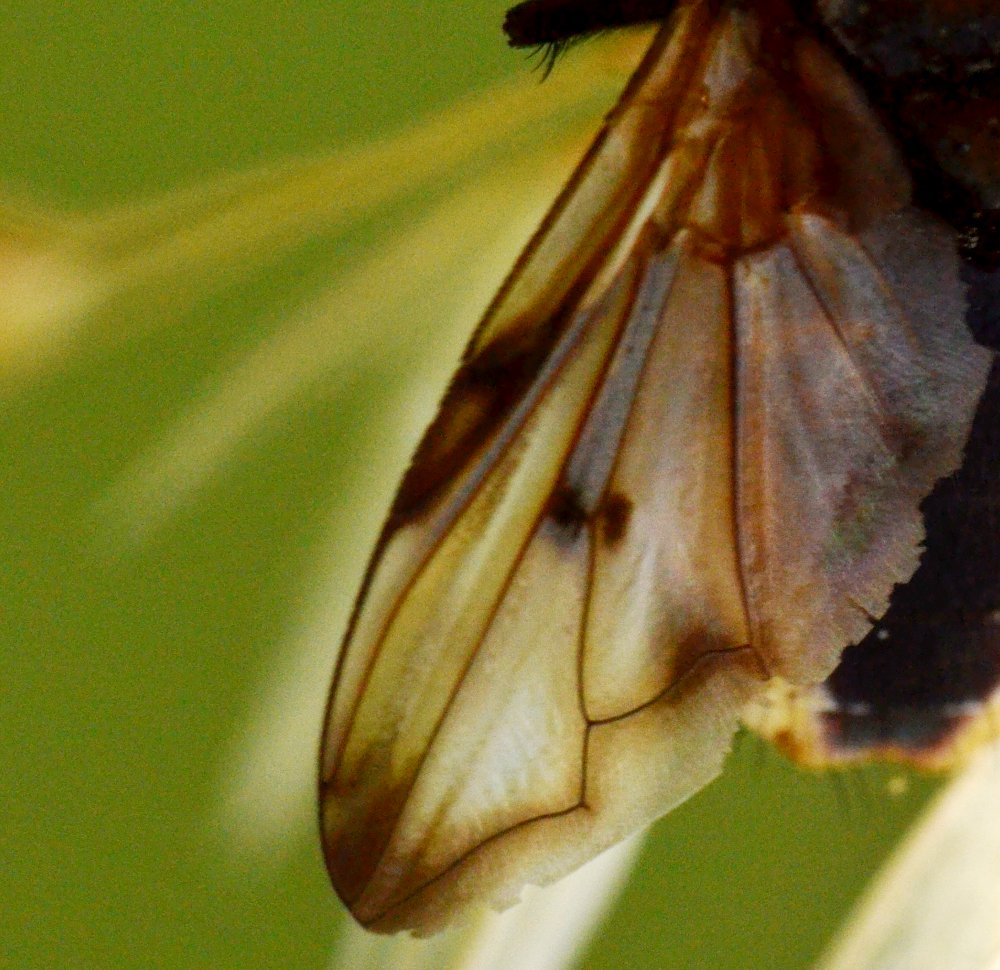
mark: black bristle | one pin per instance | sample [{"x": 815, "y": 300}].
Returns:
[{"x": 552, "y": 24}]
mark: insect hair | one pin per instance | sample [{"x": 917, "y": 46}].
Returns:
[
  {"x": 551, "y": 27},
  {"x": 548, "y": 54}
]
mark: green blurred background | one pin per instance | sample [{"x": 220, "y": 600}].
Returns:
[{"x": 133, "y": 668}]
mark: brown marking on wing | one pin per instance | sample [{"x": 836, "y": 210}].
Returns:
[
  {"x": 481, "y": 397},
  {"x": 615, "y": 513}
]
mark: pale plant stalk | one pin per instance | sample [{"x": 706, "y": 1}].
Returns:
[
  {"x": 57, "y": 271},
  {"x": 936, "y": 904}
]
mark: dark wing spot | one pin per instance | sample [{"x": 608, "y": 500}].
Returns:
[
  {"x": 615, "y": 513},
  {"x": 567, "y": 513}
]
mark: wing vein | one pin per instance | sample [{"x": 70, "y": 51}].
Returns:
[
  {"x": 561, "y": 355},
  {"x": 581, "y": 803},
  {"x": 735, "y": 463},
  {"x": 873, "y": 395},
  {"x": 531, "y": 535}
]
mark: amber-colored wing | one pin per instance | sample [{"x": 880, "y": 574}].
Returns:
[{"x": 684, "y": 454}]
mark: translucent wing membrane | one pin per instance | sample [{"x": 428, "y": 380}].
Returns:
[{"x": 683, "y": 455}]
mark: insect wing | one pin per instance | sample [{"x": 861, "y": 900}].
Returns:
[{"x": 685, "y": 452}]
